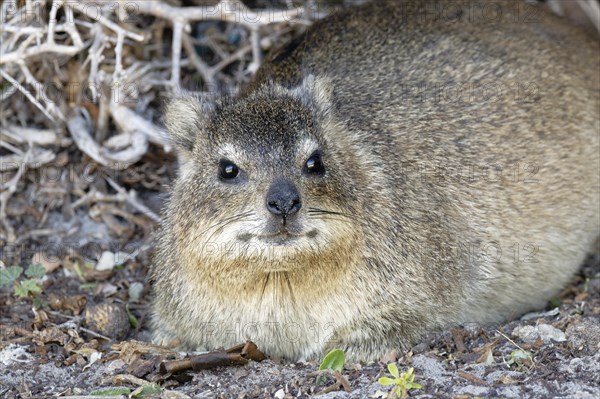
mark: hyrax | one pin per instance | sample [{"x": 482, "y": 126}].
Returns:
[{"x": 403, "y": 167}]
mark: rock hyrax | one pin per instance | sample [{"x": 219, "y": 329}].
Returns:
[{"x": 400, "y": 168}]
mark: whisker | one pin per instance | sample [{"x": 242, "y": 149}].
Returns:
[
  {"x": 239, "y": 215},
  {"x": 262, "y": 293},
  {"x": 222, "y": 226},
  {"x": 337, "y": 219},
  {"x": 219, "y": 226},
  {"x": 326, "y": 212},
  {"x": 289, "y": 284}
]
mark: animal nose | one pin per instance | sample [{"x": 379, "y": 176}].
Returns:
[{"x": 283, "y": 198}]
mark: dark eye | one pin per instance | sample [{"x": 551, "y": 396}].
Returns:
[
  {"x": 314, "y": 165},
  {"x": 228, "y": 170}
]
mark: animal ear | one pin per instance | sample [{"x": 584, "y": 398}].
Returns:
[
  {"x": 320, "y": 91},
  {"x": 185, "y": 117}
]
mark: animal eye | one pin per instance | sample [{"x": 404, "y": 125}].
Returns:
[
  {"x": 228, "y": 170},
  {"x": 314, "y": 165}
]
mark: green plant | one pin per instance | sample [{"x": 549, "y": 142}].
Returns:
[
  {"x": 23, "y": 287},
  {"x": 520, "y": 358},
  {"x": 112, "y": 392},
  {"x": 402, "y": 382},
  {"x": 334, "y": 360}
]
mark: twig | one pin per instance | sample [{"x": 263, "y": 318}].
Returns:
[
  {"x": 238, "y": 55},
  {"x": 176, "y": 52},
  {"x": 56, "y": 4},
  {"x": 79, "y": 129},
  {"x": 8, "y": 189},
  {"x": 256, "y": 51},
  {"x": 203, "y": 69},
  {"x": 139, "y": 128},
  {"x": 94, "y": 334},
  {"x": 119, "y": 56},
  {"x": 235, "y": 356},
  {"x": 29, "y": 78},
  {"x": 70, "y": 27},
  {"x": 37, "y": 233},
  {"x": 131, "y": 198},
  {"x": 26, "y": 92},
  {"x": 95, "y": 58},
  {"x": 81, "y": 7},
  {"x": 37, "y": 50},
  {"x": 24, "y": 135},
  {"x": 226, "y": 10},
  {"x": 509, "y": 340},
  {"x": 39, "y": 157},
  {"x": 340, "y": 383}
]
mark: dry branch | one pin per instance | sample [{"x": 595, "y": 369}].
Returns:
[{"x": 226, "y": 10}]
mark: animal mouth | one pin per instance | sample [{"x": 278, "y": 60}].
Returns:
[{"x": 281, "y": 237}]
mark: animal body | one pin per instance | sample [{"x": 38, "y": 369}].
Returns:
[{"x": 403, "y": 167}]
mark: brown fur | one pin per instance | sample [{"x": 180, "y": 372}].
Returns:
[{"x": 442, "y": 209}]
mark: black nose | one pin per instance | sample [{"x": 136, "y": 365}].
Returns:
[{"x": 283, "y": 198}]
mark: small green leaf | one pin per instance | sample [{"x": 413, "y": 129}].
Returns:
[
  {"x": 133, "y": 321},
  {"x": 9, "y": 275},
  {"x": 77, "y": 269},
  {"x": 385, "y": 381},
  {"x": 555, "y": 302},
  {"x": 35, "y": 271},
  {"x": 87, "y": 286},
  {"x": 26, "y": 287},
  {"x": 586, "y": 285},
  {"x": 334, "y": 360},
  {"x": 393, "y": 370},
  {"x": 519, "y": 355},
  {"x": 146, "y": 390},
  {"x": 39, "y": 303},
  {"x": 112, "y": 392},
  {"x": 20, "y": 291}
]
